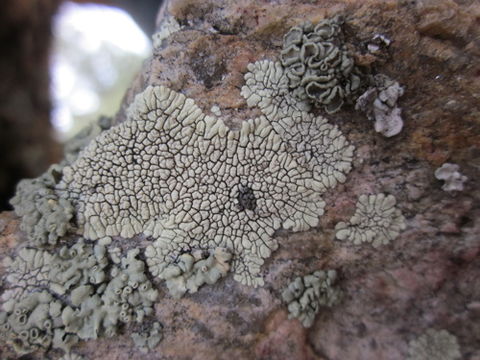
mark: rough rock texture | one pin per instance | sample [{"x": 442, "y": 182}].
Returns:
[{"x": 425, "y": 278}]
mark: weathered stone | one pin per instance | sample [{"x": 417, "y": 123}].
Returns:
[{"x": 421, "y": 280}]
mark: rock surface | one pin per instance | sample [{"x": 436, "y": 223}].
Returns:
[{"x": 426, "y": 278}]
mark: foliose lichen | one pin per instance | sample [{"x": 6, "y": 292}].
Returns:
[
  {"x": 192, "y": 270},
  {"x": 452, "y": 177},
  {"x": 148, "y": 339},
  {"x": 376, "y": 221},
  {"x": 306, "y": 295},
  {"x": 45, "y": 216},
  {"x": 319, "y": 66},
  {"x": 434, "y": 344},
  {"x": 379, "y": 103},
  {"x": 54, "y": 299}
]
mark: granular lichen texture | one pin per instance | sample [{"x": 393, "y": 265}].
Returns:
[
  {"x": 376, "y": 221},
  {"x": 189, "y": 182},
  {"x": 434, "y": 344}
]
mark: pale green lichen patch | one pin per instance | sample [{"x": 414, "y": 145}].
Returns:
[
  {"x": 29, "y": 325},
  {"x": 376, "y": 221},
  {"x": 54, "y": 299},
  {"x": 185, "y": 179},
  {"x": 305, "y": 295},
  {"x": 28, "y": 270},
  {"x": 318, "y": 65},
  {"x": 148, "y": 339},
  {"x": 192, "y": 270},
  {"x": 434, "y": 344},
  {"x": 45, "y": 215},
  {"x": 313, "y": 142}
]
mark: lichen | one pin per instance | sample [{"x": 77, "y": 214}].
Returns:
[
  {"x": 452, "y": 177},
  {"x": 72, "y": 356},
  {"x": 28, "y": 271},
  {"x": 379, "y": 103},
  {"x": 148, "y": 339},
  {"x": 183, "y": 178},
  {"x": 434, "y": 344},
  {"x": 192, "y": 270},
  {"x": 312, "y": 141},
  {"x": 305, "y": 295},
  {"x": 45, "y": 216},
  {"x": 318, "y": 65},
  {"x": 376, "y": 221},
  {"x": 55, "y": 298},
  {"x": 74, "y": 145},
  {"x": 28, "y": 326},
  {"x": 168, "y": 26}
]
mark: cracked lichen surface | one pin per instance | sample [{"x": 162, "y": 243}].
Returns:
[
  {"x": 312, "y": 141},
  {"x": 187, "y": 181},
  {"x": 376, "y": 221},
  {"x": 434, "y": 344}
]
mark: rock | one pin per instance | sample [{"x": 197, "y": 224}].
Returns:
[{"x": 424, "y": 279}]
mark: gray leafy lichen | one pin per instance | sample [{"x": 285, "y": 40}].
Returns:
[
  {"x": 54, "y": 299},
  {"x": 194, "y": 269},
  {"x": 379, "y": 103},
  {"x": 434, "y": 344},
  {"x": 305, "y": 295},
  {"x": 451, "y": 175},
  {"x": 29, "y": 325},
  {"x": 45, "y": 215},
  {"x": 318, "y": 65},
  {"x": 376, "y": 220}
]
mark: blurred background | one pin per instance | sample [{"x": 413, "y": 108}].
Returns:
[{"x": 62, "y": 65}]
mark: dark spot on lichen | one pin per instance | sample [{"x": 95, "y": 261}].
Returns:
[{"x": 246, "y": 198}]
